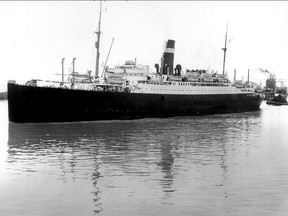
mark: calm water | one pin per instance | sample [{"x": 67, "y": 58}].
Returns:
[{"x": 234, "y": 164}]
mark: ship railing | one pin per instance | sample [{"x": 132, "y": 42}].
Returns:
[
  {"x": 247, "y": 90},
  {"x": 104, "y": 87},
  {"x": 219, "y": 84},
  {"x": 111, "y": 88},
  {"x": 155, "y": 82},
  {"x": 45, "y": 83}
]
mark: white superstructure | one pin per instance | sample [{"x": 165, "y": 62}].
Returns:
[{"x": 188, "y": 88}]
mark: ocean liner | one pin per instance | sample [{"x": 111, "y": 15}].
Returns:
[{"x": 130, "y": 91}]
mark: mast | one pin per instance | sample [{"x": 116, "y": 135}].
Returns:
[
  {"x": 63, "y": 71},
  {"x": 97, "y": 44},
  {"x": 73, "y": 73},
  {"x": 225, "y": 49}
]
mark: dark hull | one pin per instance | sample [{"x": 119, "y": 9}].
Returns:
[
  {"x": 44, "y": 104},
  {"x": 275, "y": 103}
]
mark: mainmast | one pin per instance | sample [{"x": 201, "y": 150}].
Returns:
[
  {"x": 225, "y": 49},
  {"x": 97, "y": 44}
]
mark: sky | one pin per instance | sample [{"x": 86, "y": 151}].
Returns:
[{"x": 36, "y": 35}]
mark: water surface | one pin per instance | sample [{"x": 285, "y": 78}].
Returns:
[{"x": 232, "y": 164}]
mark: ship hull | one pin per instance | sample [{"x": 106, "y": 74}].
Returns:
[{"x": 45, "y": 104}]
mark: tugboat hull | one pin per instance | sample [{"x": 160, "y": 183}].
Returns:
[{"x": 275, "y": 103}]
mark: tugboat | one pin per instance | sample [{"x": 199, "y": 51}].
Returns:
[{"x": 277, "y": 100}]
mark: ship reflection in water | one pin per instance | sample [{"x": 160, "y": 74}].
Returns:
[{"x": 234, "y": 164}]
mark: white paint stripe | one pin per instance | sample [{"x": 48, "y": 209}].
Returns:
[{"x": 169, "y": 50}]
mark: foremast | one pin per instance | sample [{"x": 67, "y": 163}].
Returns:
[
  {"x": 97, "y": 44},
  {"x": 225, "y": 49}
]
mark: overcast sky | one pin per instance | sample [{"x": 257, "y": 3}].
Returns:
[{"x": 35, "y": 36}]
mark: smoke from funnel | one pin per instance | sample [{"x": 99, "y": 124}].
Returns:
[{"x": 263, "y": 70}]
